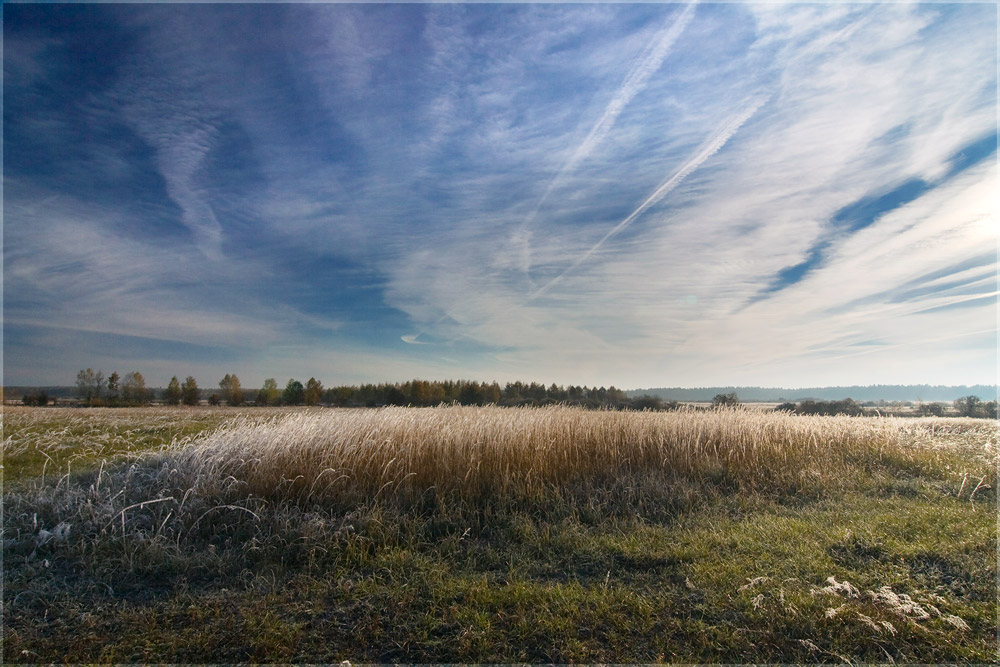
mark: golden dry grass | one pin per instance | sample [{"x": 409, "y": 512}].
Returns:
[{"x": 470, "y": 453}]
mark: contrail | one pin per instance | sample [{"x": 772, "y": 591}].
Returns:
[
  {"x": 705, "y": 151},
  {"x": 709, "y": 148},
  {"x": 646, "y": 65}
]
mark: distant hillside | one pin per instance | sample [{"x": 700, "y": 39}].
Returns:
[{"x": 877, "y": 392}]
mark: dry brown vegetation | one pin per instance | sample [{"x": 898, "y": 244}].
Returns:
[
  {"x": 465, "y": 534},
  {"x": 470, "y": 454}
]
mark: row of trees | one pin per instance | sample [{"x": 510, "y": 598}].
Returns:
[
  {"x": 846, "y": 406},
  {"x": 177, "y": 393},
  {"x": 36, "y": 398},
  {"x": 94, "y": 389},
  {"x": 973, "y": 406},
  {"x": 967, "y": 406},
  {"x": 428, "y": 393},
  {"x": 188, "y": 393},
  {"x": 464, "y": 392}
]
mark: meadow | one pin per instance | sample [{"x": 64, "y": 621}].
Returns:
[{"x": 485, "y": 534}]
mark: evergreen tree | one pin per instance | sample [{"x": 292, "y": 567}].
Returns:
[
  {"x": 294, "y": 393},
  {"x": 172, "y": 394},
  {"x": 470, "y": 394},
  {"x": 189, "y": 392},
  {"x": 395, "y": 396},
  {"x": 491, "y": 393}
]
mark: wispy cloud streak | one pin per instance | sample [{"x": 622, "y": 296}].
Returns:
[
  {"x": 712, "y": 146},
  {"x": 648, "y": 62},
  {"x": 635, "y": 81},
  {"x": 167, "y": 113}
]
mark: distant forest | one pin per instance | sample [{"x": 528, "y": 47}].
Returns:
[
  {"x": 865, "y": 393},
  {"x": 93, "y": 388}
]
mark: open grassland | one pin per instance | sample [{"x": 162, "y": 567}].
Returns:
[
  {"x": 54, "y": 442},
  {"x": 497, "y": 535}
]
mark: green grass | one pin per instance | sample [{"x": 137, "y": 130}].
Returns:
[
  {"x": 624, "y": 571},
  {"x": 54, "y": 441}
]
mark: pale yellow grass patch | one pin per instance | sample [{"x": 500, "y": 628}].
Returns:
[{"x": 468, "y": 452}]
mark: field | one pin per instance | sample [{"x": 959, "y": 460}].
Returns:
[{"x": 463, "y": 534}]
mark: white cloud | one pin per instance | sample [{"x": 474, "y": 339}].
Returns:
[
  {"x": 660, "y": 302},
  {"x": 644, "y": 66},
  {"x": 709, "y": 148},
  {"x": 168, "y": 112},
  {"x": 69, "y": 259},
  {"x": 571, "y": 119}
]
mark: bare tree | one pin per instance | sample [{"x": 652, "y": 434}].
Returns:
[
  {"x": 134, "y": 389},
  {"x": 114, "y": 386},
  {"x": 231, "y": 390},
  {"x": 90, "y": 385}
]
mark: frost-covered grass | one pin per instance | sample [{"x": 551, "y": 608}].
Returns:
[{"x": 498, "y": 535}]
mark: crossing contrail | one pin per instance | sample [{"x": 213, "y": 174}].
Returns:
[
  {"x": 648, "y": 62},
  {"x": 709, "y": 148},
  {"x": 646, "y": 65}
]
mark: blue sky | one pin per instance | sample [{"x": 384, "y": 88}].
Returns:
[{"x": 631, "y": 195}]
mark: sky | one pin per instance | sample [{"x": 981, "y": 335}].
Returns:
[{"x": 604, "y": 194}]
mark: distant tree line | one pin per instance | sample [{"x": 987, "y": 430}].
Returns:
[
  {"x": 973, "y": 406},
  {"x": 421, "y": 393},
  {"x": 967, "y": 406},
  {"x": 94, "y": 389},
  {"x": 846, "y": 406},
  {"x": 38, "y": 398},
  {"x": 860, "y": 393}
]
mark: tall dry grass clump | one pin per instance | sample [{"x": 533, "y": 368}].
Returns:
[{"x": 470, "y": 454}]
